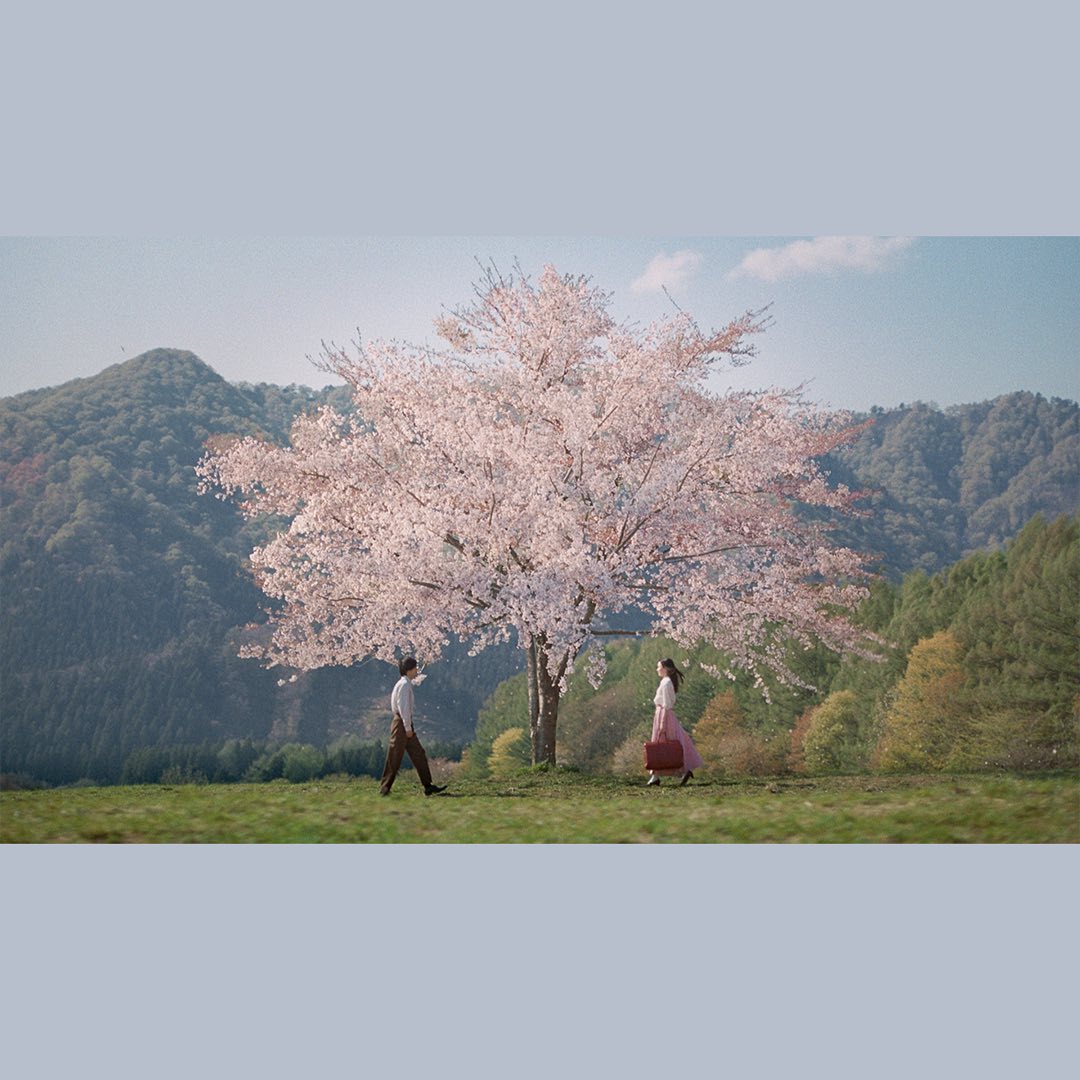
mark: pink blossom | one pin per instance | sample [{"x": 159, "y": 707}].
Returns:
[{"x": 544, "y": 472}]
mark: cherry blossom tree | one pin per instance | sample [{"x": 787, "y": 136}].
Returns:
[{"x": 543, "y": 473}]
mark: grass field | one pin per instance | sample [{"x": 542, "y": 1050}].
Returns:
[{"x": 557, "y": 806}]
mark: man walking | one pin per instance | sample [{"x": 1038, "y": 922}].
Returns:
[{"x": 403, "y": 739}]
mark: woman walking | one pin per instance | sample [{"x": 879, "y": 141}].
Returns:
[{"x": 666, "y": 726}]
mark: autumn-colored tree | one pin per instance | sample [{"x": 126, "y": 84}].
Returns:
[
  {"x": 628, "y": 758},
  {"x": 929, "y": 721},
  {"x": 718, "y": 725},
  {"x": 509, "y": 752},
  {"x": 829, "y": 741},
  {"x": 729, "y": 747},
  {"x": 545, "y": 470}
]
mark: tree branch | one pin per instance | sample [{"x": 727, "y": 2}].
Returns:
[{"x": 714, "y": 551}]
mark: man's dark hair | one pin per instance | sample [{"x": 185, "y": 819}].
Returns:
[{"x": 407, "y": 665}]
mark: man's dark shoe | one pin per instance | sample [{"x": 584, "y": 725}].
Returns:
[{"x": 434, "y": 789}]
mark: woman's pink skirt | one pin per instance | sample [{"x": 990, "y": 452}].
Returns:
[{"x": 664, "y": 721}]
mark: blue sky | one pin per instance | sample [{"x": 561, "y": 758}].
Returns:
[{"x": 859, "y": 321}]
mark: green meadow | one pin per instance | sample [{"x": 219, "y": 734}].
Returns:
[{"x": 558, "y": 806}]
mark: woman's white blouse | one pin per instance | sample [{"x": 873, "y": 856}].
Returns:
[{"x": 665, "y": 694}]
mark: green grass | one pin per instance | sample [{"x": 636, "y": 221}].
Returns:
[{"x": 557, "y": 806}]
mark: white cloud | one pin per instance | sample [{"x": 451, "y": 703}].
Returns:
[
  {"x": 822, "y": 255},
  {"x": 672, "y": 271}
]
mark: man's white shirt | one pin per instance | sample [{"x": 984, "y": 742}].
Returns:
[{"x": 401, "y": 701}]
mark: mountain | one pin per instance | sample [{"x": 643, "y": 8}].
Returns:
[
  {"x": 125, "y": 591},
  {"x": 945, "y": 483}
]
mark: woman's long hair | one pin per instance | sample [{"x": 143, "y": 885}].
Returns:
[{"x": 674, "y": 673}]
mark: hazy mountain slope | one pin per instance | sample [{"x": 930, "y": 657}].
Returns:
[{"x": 946, "y": 483}]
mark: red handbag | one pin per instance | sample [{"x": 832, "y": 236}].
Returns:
[{"x": 666, "y": 754}]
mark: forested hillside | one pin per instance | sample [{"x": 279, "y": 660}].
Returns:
[
  {"x": 943, "y": 484},
  {"x": 125, "y": 592}
]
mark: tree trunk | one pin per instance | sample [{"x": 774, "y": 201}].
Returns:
[
  {"x": 534, "y": 699},
  {"x": 543, "y": 704}
]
